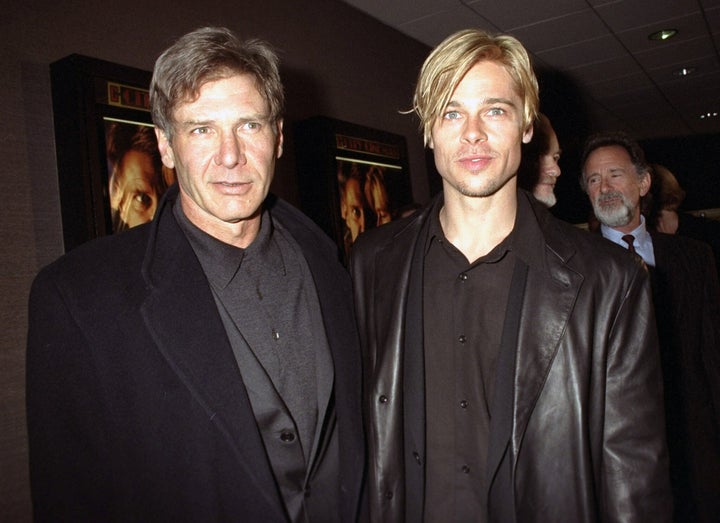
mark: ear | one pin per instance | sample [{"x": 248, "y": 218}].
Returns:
[
  {"x": 528, "y": 134},
  {"x": 645, "y": 183},
  {"x": 279, "y": 138},
  {"x": 166, "y": 152}
]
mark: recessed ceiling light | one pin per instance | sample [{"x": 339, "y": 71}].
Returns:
[
  {"x": 712, "y": 114},
  {"x": 684, "y": 71},
  {"x": 663, "y": 34}
]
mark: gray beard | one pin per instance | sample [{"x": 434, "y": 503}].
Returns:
[
  {"x": 548, "y": 200},
  {"x": 613, "y": 217}
]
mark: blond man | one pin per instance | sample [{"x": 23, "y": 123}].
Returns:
[{"x": 511, "y": 366}]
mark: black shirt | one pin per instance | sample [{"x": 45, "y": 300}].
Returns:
[{"x": 464, "y": 307}]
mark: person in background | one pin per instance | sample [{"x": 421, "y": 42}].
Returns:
[
  {"x": 686, "y": 296},
  {"x": 136, "y": 181},
  {"x": 539, "y": 168},
  {"x": 205, "y": 366},
  {"x": 506, "y": 374},
  {"x": 663, "y": 214}
]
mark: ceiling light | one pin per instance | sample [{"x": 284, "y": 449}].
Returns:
[
  {"x": 713, "y": 114},
  {"x": 684, "y": 71},
  {"x": 663, "y": 34}
]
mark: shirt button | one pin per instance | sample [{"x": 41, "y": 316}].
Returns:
[
  {"x": 463, "y": 276},
  {"x": 275, "y": 335},
  {"x": 389, "y": 494},
  {"x": 417, "y": 458},
  {"x": 462, "y": 338},
  {"x": 287, "y": 436},
  {"x": 464, "y": 404},
  {"x": 383, "y": 399},
  {"x": 465, "y": 469}
]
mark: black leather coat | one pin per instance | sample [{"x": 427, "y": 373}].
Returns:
[{"x": 581, "y": 437}]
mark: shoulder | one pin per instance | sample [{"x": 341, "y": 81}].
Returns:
[
  {"x": 585, "y": 250},
  {"x": 303, "y": 230},
  {"x": 681, "y": 250},
  {"x": 399, "y": 234},
  {"x": 99, "y": 263},
  {"x": 605, "y": 268}
]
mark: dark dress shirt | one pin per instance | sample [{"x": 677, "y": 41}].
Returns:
[
  {"x": 269, "y": 307},
  {"x": 464, "y": 306}
]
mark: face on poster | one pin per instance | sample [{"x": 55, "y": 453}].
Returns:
[{"x": 137, "y": 178}]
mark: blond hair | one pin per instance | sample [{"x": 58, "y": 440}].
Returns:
[{"x": 450, "y": 61}]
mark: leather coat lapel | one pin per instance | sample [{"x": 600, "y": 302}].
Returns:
[
  {"x": 551, "y": 289},
  {"x": 549, "y": 301},
  {"x": 181, "y": 315}
]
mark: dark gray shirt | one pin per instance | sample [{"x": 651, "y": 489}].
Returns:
[{"x": 267, "y": 300}]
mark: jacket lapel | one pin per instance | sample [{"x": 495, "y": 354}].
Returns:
[
  {"x": 548, "y": 299},
  {"x": 181, "y": 315},
  {"x": 334, "y": 292}
]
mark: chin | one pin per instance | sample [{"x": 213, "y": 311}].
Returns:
[{"x": 548, "y": 200}]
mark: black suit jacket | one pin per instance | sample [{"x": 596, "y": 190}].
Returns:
[
  {"x": 136, "y": 407},
  {"x": 687, "y": 298},
  {"x": 577, "y": 428}
]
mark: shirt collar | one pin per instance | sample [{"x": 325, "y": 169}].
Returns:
[
  {"x": 640, "y": 233},
  {"x": 642, "y": 240},
  {"x": 517, "y": 241},
  {"x": 220, "y": 260}
]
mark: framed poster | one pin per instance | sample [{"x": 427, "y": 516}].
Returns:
[
  {"x": 109, "y": 168},
  {"x": 351, "y": 178}
]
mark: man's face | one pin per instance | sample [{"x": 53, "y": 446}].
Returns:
[
  {"x": 132, "y": 193},
  {"x": 476, "y": 141},
  {"x": 614, "y": 187},
  {"x": 223, "y": 150},
  {"x": 549, "y": 172},
  {"x": 352, "y": 208}
]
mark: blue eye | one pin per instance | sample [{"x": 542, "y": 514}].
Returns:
[{"x": 452, "y": 115}]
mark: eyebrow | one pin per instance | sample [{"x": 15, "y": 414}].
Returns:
[
  {"x": 249, "y": 118},
  {"x": 486, "y": 101}
]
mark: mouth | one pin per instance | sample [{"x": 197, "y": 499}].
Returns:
[
  {"x": 233, "y": 188},
  {"x": 475, "y": 162},
  {"x": 608, "y": 201}
]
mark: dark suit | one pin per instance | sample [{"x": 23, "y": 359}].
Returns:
[
  {"x": 687, "y": 299},
  {"x": 136, "y": 407},
  {"x": 577, "y": 430}
]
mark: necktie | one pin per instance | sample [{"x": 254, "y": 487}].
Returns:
[{"x": 629, "y": 239}]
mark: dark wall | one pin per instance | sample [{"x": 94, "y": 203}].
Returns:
[
  {"x": 695, "y": 162},
  {"x": 335, "y": 62}
]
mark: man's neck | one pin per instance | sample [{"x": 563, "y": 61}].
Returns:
[
  {"x": 240, "y": 234},
  {"x": 476, "y": 225}
]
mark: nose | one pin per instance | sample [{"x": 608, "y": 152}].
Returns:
[
  {"x": 555, "y": 171},
  {"x": 474, "y": 131},
  {"x": 230, "y": 151},
  {"x": 604, "y": 185}
]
